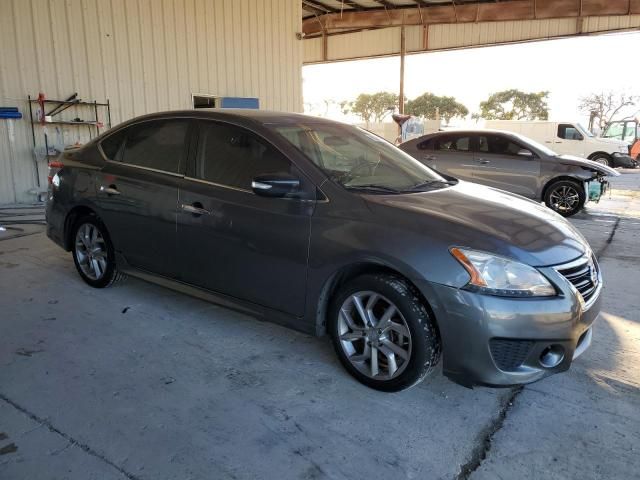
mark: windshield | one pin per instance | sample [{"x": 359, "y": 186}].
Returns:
[
  {"x": 543, "y": 148},
  {"x": 584, "y": 131},
  {"x": 357, "y": 159}
]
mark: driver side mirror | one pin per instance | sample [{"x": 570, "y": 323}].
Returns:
[
  {"x": 523, "y": 152},
  {"x": 275, "y": 185}
]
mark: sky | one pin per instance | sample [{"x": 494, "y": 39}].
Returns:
[{"x": 568, "y": 68}]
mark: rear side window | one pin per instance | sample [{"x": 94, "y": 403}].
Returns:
[
  {"x": 426, "y": 145},
  {"x": 111, "y": 145},
  {"x": 232, "y": 156},
  {"x": 569, "y": 132},
  {"x": 157, "y": 144},
  {"x": 455, "y": 144},
  {"x": 498, "y": 145}
]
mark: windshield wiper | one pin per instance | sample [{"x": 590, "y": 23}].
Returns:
[
  {"x": 373, "y": 188},
  {"x": 428, "y": 183}
]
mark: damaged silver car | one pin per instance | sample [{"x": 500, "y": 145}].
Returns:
[{"x": 514, "y": 163}]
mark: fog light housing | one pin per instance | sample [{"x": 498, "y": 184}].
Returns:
[{"x": 552, "y": 356}]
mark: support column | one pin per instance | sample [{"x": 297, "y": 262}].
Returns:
[{"x": 402, "y": 54}]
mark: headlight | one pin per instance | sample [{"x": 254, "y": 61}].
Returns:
[{"x": 495, "y": 275}]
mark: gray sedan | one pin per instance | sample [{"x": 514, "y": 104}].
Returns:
[
  {"x": 514, "y": 163},
  {"x": 326, "y": 228}
]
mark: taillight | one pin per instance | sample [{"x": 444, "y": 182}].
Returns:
[{"x": 54, "y": 168}]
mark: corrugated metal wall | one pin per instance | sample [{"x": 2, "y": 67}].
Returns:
[
  {"x": 142, "y": 55},
  {"x": 386, "y": 41}
]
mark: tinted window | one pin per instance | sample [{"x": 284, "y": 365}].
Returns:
[
  {"x": 498, "y": 145},
  {"x": 455, "y": 144},
  {"x": 232, "y": 156},
  {"x": 426, "y": 145},
  {"x": 111, "y": 145},
  {"x": 569, "y": 132},
  {"x": 159, "y": 145}
]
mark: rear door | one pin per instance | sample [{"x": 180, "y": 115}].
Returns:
[
  {"x": 498, "y": 164},
  {"x": 238, "y": 243},
  {"x": 138, "y": 191},
  {"x": 450, "y": 154}
]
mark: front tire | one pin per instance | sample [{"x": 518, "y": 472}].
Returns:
[
  {"x": 602, "y": 160},
  {"x": 382, "y": 332},
  {"x": 93, "y": 253},
  {"x": 565, "y": 197}
]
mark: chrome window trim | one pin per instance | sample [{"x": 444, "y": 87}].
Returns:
[
  {"x": 208, "y": 182},
  {"x": 251, "y": 192},
  {"x": 149, "y": 169}
]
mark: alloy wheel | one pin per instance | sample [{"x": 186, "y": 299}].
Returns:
[
  {"x": 564, "y": 198},
  {"x": 91, "y": 251},
  {"x": 374, "y": 335}
]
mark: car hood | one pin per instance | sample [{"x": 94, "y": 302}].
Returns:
[
  {"x": 609, "y": 141},
  {"x": 591, "y": 165},
  {"x": 483, "y": 218}
]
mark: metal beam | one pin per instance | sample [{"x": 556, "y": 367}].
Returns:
[
  {"x": 352, "y": 4},
  {"x": 318, "y": 7},
  {"x": 467, "y": 12},
  {"x": 385, "y": 4}
]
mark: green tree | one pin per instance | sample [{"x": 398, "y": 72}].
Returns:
[
  {"x": 371, "y": 107},
  {"x": 515, "y": 105},
  {"x": 429, "y": 105}
]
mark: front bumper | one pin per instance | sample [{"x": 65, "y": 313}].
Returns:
[
  {"x": 499, "y": 341},
  {"x": 623, "y": 160}
]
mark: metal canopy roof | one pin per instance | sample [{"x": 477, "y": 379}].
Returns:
[
  {"x": 336, "y": 30},
  {"x": 327, "y": 17},
  {"x": 312, "y": 8}
]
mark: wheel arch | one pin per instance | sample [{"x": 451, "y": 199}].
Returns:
[
  {"x": 562, "y": 178},
  {"x": 70, "y": 220},
  {"x": 600, "y": 154},
  {"x": 349, "y": 272}
]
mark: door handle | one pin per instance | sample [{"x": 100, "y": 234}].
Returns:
[
  {"x": 110, "y": 190},
  {"x": 195, "y": 209},
  {"x": 482, "y": 161}
]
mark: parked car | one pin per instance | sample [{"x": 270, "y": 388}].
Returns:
[
  {"x": 569, "y": 138},
  {"x": 513, "y": 163},
  {"x": 326, "y": 228}
]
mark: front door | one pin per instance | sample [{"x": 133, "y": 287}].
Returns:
[
  {"x": 137, "y": 192},
  {"x": 500, "y": 163},
  {"x": 233, "y": 241},
  {"x": 569, "y": 141}
]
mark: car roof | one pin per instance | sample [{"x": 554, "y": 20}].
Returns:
[
  {"x": 477, "y": 131},
  {"x": 259, "y": 116}
]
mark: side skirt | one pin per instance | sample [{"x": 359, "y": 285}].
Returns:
[{"x": 254, "y": 310}]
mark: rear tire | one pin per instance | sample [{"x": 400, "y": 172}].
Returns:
[
  {"x": 93, "y": 253},
  {"x": 395, "y": 345},
  {"x": 565, "y": 197}
]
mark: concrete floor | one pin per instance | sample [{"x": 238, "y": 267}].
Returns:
[{"x": 139, "y": 382}]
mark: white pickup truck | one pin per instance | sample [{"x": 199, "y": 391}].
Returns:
[{"x": 569, "y": 138}]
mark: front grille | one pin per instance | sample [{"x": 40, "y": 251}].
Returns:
[
  {"x": 509, "y": 354},
  {"x": 583, "y": 274}
]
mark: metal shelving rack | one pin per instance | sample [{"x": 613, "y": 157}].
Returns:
[
  {"x": 62, "y": 105},
  {"x": 59, "y": 106}
]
